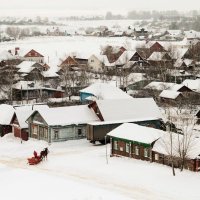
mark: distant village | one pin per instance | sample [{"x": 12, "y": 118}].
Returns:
[{"x": 133, "y": 99}]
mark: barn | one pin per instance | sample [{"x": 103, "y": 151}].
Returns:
[{"x": 113, "y": 113}]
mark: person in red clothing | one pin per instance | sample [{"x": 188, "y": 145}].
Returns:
[{"x": 35, "y": 154}]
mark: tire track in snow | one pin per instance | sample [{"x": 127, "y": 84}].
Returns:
[{"x": 134, "y": 192}]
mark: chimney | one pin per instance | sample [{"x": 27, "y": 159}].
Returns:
[{"x": 16, "y": 50}]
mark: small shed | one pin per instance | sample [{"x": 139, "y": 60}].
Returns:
[
  {"x": 6, "y": 115},
  {"x": 20, "y": 127},
  {"x": 132, "y": 140}
]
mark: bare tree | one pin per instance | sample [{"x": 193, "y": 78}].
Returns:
[
  {"x": 13, "y": 31},
  {"x": 169, "y": 143},
  {"x": 187, "y": 139}
]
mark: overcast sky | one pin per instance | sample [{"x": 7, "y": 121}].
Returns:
[{"x": 90, "y": 7}]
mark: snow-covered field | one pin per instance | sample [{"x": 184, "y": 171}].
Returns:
[
  {"x": 74, "y": 25},
  {"x": 78, "y": 170}
]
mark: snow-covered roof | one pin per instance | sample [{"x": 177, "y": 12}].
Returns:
[
  {"x": 174, "y": 32},
  {"x": 25, "y": 66},
  {"x": 49, "y": 74},
  {"x": 192, "y": 34},
  {"x": 105, "y": 91},
  {"x": 134, "y": 109},
  {"x": 192, "y": 84},
  {"x": 178, "y": 62},
  {"x": 177, "y": 87},
  {"x": 25, "y": 85},
  {"x": 137, "y": 133},
  {"x": 31, "y": 107},
  {"x": 159, "y": 85},
  {"x": 175, "y": 72},
  {"x": 62, "y": 116},
  {"x": 157, "y": 56},
  {"x": 24, "y": 111},
  {"x": 125, "y": 57},
  {"x": 187, "y": 62},
  {"x": 178, "y": 53},
  {"x": 6, "y": 114},
  {"x": 162, "y": 145},
  {"x": 169, "y": 94},
  {"x": 135, "y": 77},
  {"x": 5, "y": 55},
  {"x": 22, "y": 115}
]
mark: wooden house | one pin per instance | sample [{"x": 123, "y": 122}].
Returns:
[
  {"x": 170, "y": 96},
  {"x": 113, "y": 112},
  {"x": 153, "y": 47},
  {"x": 46, "y": 67},
  {"x": 82, "y": 60},
  {"x": 6, "y": 113},
  {"x": 35, "y": 56},
  {"x": 179, "y": 76},
  {"x": 113, "y": 53},
  {"x": 180, "y": 88},
  {"x": 60, "y": 124},
  {"x": 19, "y": 125},
  {"x": 29, "y": 90},
  {"x": 69, "y": 63},
  {"x": 30, "y": 70},
  {"x": 159, "y": 86},
  {"x": 156, "y": 47},
  {"x": 134, "y": 141},
  {"x": 141, "y": 32},
  {"x": 96, "y": 63},
  {"x": 161, "y": 59},
  {"x": 161, "y": 152}
]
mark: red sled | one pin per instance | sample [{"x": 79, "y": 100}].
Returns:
[{"x": 34, "y": 161}]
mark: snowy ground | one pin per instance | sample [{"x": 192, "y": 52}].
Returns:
[{"x": 78, "y": 170}]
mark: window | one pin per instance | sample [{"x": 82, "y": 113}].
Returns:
[
  {"x": 145, "y": 152},
  {"x": 127, "y": 147},
  {"x": 92, "y": 61},
  {"x": 56, "y": 134},
  {"x": 156, "y": 156},
  {"x": 137, "y": 150},
  {"x": 41, "y": 129},
  {"x": 115, "y": 145},
  {"x": 79, "y": 132},
  {"x": 34, "y": 130},
  {"x": 45, "y": 133},
  {"x": 121, "y": 148}
]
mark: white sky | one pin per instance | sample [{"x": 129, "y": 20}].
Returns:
[{"x": 90, "y": 7}]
